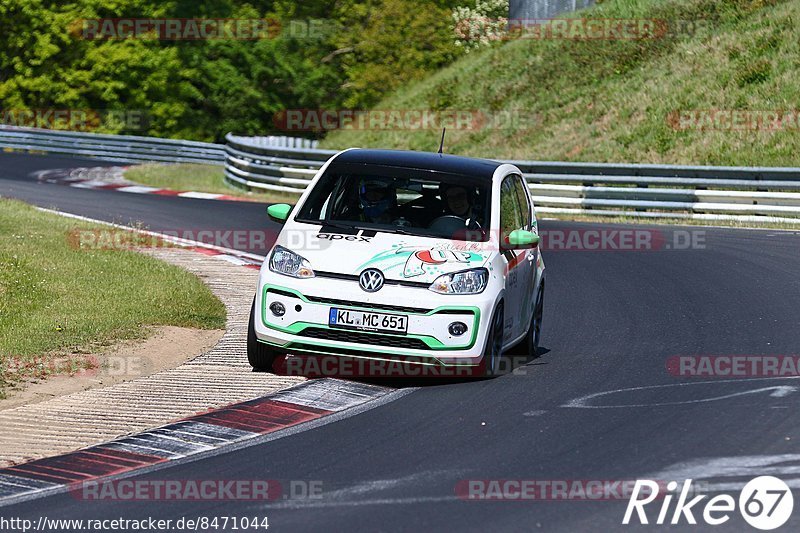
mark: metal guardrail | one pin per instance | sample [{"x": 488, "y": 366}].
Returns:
[
  {"x": 282, "y": 141},
  {"x": 121, "y": 148},
  {"x": 543, "y": 9},
  {"x": 287, "y": 165},
  {"x": 647, "y": 191},
  {"x": 252, "y": 164}
]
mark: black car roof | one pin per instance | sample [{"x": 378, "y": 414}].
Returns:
[{"x": 450, "y": 164}]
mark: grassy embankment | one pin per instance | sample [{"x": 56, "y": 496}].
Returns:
[
  {"x": 59, "y": 303},
  {"x": 615, "y": 100}
]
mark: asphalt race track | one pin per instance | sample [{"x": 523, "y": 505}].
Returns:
[{"x": 612, "y": 321}]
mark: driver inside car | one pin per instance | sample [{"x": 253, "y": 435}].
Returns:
[
  {"x": 458, "y": 203},
  {"x": 377, "y": 198}
]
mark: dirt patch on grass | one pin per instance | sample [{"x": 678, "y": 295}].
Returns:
[{"x": 165, "y": 347}]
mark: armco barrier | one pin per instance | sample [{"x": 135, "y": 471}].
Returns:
[
  {"x": 254, "y": 165},
  {"x": 287, "y": 165},
  {"x": 748, "y": 194},
  {"x": 647, "y": 191},
  {"x": 121, "y": 148}
]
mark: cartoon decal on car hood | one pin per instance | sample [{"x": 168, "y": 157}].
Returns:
[
  {"x": 423, "y": 264},
  {"x": 399, "y": 257}
]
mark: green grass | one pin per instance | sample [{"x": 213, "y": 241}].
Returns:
[
  {"x": 58, "y": 302},
  {"x": 611, "y": 100},
  {"x": 199, "y": 178}
]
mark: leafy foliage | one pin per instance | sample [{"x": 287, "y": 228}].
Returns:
[{"x": 330, "y": 54}]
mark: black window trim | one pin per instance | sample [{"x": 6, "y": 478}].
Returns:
[{"x": 521, "y": 181}]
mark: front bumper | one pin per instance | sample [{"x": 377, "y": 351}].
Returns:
[{"x": 304, "y": 328}]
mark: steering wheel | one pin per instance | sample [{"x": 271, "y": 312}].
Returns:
[{"x": 450, "y": 224}]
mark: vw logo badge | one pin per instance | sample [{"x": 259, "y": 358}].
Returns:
[{"x": 371, "y": 280}]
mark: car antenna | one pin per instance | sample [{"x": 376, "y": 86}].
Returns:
[{"x": 441, "y": 144}]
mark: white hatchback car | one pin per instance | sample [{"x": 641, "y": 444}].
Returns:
[{"x": 416, "y": 257}]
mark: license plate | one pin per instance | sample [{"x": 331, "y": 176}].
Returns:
[{"x": 365, "y": 320}]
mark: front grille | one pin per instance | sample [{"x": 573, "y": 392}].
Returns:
[
  {"x": 347, "y": 303},
  {"x": 354, "y": 277},
  {"x": 387, "y": 341}
]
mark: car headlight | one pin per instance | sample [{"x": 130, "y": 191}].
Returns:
[
  {"x": 466, "y": 282},
  {"x": 288, "y": 263}
]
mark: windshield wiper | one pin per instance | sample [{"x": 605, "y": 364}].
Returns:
[
  {"x": 338, "y": 225},
  {"x": 343, "y": 226}
]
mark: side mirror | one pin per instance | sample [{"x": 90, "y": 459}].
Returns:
[
  {"x": 279, "y": 212},
  {"x": 522, "y": 239}
]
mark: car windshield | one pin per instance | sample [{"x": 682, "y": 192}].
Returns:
[{"x": 400, "y": 200}]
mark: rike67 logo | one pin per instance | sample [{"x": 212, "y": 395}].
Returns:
[{"x": 765, "y": 503}]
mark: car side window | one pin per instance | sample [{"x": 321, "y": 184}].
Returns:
[
  {"x": 510, "y": 213},
  {"x": 524, "y": 201}
]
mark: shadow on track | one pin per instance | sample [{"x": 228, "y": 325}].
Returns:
[{"x": 397, "y": 375}]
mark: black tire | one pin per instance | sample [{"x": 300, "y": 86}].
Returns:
[
  {"x": 491, "y": 364},
  {"x": 259, "y": 355},
  {"x": 534, "y": 336}
]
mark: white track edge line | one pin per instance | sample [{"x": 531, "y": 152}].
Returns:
[{"x": 168, "y": 238}]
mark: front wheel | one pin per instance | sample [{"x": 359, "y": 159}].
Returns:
[
  {"x": 491, "y": 362},
  {"x": 535, "y": 330},
  {"x": 259, "y": 355}
]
